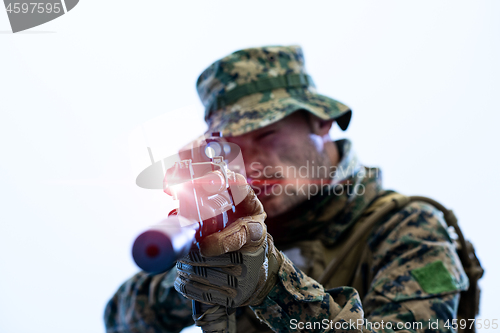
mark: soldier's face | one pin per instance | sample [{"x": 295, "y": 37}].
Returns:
[{"x": 285, "y": 162}]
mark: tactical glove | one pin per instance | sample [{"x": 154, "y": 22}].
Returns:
[{"x": 237, "y": 266}]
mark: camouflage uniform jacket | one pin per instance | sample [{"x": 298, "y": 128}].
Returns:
[{"x": 407, "y": 273}]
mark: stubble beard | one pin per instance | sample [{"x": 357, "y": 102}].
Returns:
[{"x": 274, "y": 204}]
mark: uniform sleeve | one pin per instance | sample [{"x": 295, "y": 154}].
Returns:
[
  {"x": 414, "y": 278},
  {"x": 148, "y": 304}
]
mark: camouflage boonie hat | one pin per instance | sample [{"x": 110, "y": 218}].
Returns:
[{"x": 256, "y": 87}]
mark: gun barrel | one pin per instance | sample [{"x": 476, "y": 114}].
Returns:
[{"x": 156, "y": 250}]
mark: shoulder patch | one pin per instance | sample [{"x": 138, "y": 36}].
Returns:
[{"x": 434, "y": 278}]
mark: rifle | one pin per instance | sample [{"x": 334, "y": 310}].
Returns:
[{"x": 201, "y": 183}]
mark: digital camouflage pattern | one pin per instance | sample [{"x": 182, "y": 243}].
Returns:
[
  {"x": 390, "y": 282},
  {"x": 148, "y": 304},
  {"x": 255, "y": 87}
]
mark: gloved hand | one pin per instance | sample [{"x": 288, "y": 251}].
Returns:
[{"x": 237, "y": 266}]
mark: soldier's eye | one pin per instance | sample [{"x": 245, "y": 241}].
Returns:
[{"x": 266, "y": 134}]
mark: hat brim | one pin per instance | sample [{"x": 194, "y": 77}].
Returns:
[{"x": 259, "y": 110}]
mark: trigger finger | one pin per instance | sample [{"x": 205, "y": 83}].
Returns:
[
  {"x": 247, "y": 230},
  {"x": 228, "y": 240}
]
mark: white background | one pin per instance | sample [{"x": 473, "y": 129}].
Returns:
[{"x": 422, "y": 78}]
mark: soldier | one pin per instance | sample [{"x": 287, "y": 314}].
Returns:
[{"x": 403, "y": 274}]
